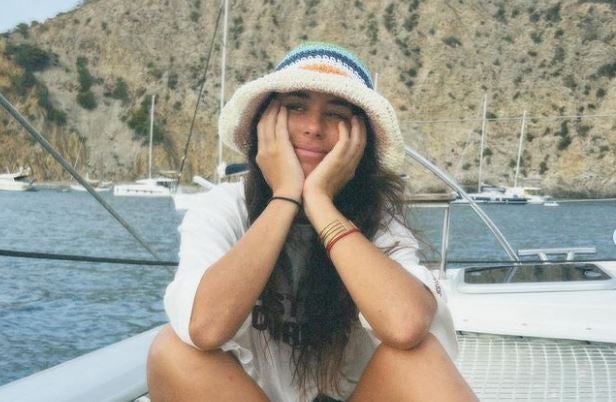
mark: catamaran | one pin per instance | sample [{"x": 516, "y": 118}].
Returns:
[{"x": 531, "y": 330}]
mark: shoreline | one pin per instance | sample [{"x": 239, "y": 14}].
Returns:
[{"x": 191, "y": 188}]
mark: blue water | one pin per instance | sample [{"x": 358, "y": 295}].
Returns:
[
  {"x": 52, "y": 311},
  {"x": 572, "y": 224}
]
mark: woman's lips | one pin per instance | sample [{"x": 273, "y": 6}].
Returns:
[{"x": 306, "y": 153}]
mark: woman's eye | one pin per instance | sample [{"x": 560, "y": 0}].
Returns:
[
  {"x": 294, "y": 107},
  {"x": 338, "y": 116}
]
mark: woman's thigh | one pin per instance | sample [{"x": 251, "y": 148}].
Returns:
[
  {"x": 180, "y": 372},
  {"x": 424, "y": 373}
]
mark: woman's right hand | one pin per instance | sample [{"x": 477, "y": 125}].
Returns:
[{"x": 275, "y": 156}]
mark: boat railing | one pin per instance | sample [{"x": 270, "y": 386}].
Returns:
[
  {"x": 544, "y": 253},
  {"x": 113, "y": 373},
  {"x": 460, "y": 191}
]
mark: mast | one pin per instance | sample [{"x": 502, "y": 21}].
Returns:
[
  {"x": 222, "y": 85},
  {"x": 517, "y": 165},
  {"x": 483, "y": 130},
  {"x": 151, "y": 135}
]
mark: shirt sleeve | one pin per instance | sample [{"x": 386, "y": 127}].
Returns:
[
  {"x": 209, "y": 229},
  {"x": 398, "y": 243}
]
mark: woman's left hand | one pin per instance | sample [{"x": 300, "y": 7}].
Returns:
[{"x": 339, "y": 165}]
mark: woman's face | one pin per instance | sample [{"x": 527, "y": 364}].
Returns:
[{"x": 313, "y": 119}]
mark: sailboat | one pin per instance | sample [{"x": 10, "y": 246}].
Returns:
[
  {"x": 493, "y": 194},
  {"x": 98, "y": 185},
  {"x": 531, "y": 194},
  {"x": 224, "y": 172},
  {"x": 152, "y": 186},
  {"x": 16, "y": 181}
]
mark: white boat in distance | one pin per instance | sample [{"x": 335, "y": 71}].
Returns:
[
  {"x": 17, "y": 181},
  {"x": 229, "y": 173},
  {"x": 152, "y": 186},
  {"x": 491, "y": 194},
  {"x": 533, "y": 195},
  {"x": 99, "y": 186},
  {"x": 496, "y": 195}
]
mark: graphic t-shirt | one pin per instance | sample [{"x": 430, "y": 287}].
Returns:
[{"x": 213, "y": 226}]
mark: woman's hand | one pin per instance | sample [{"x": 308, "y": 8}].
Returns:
[
  {"x": 275, "y": 156},
  {"x": 339, "y": 165}
]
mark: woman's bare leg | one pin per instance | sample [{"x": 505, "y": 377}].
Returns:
[
  {"x": 179, "y": 372},
  {"x": 424, "y": 373}
]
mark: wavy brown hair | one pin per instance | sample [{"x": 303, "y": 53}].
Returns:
[{"x": 329, "y": 313}]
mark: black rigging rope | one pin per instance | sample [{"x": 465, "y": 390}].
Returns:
[
  {"x": 203, "y": 80},
  {"x": 131, "y": 261},
  {"x": 85, "y": 258}
]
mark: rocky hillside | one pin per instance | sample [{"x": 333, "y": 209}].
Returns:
[{"x": 85, "y": 79}]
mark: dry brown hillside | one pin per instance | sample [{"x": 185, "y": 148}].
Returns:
[{"x": 435, "y": 60}]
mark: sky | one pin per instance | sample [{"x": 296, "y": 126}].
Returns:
[{"x": 13, "y": 12}]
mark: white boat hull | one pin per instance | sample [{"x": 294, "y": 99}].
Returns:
[
  {"x": 9, "y": 185},
  {"x": 77, "y": 187},
  {"x": 135, "y": 190},
  {"x": 157, "y": 187}
]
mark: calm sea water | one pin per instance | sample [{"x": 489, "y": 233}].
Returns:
[{"x": 52, "y": 311}]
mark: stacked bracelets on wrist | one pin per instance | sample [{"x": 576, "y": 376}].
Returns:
[{"x": 335, "y": 231}]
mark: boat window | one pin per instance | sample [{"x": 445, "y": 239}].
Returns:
[{"x": 527, "y": 273}]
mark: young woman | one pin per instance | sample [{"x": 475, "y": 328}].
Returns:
[{"x": 303, "y": 281}]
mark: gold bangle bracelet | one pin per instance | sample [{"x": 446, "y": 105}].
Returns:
[{"x": 334, "y": 229}]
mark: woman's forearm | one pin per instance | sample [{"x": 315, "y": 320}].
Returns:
[
  {"x": 229, "y": 289},
  {"x": 395, "y": 303}
]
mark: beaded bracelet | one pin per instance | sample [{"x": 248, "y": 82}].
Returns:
[{"x": 299, "y": 204}]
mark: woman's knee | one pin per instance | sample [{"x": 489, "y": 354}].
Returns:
[
  {"x": 428, "y": 348},
  {"x": 163, "y": 347},
  {"x": 180, "y": 372}
]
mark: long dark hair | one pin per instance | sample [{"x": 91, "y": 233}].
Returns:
[{"x": 329, "y": 313}]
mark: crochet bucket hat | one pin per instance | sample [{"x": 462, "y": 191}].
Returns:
[{"x": 318, "y": 67}]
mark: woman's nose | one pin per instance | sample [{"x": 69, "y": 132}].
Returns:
[{"x": 312, "y": 124}]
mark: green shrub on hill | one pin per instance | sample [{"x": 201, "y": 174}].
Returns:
[
  {"x": 29, "y": 57},
  {"x": 23, "y": 83},
  {"x": 23, "y": 29},
  {"x": 85, "y": 97},
  {"x": 120, "y": 91},
  {"x": 86, "y": 80},
  {"x": 452, "y": 41},
  {"x": 607, "y": 70},
  {"x": 87, "y": 100},
  {"x": 139, "y": 121},
  {"x": 44, "y": 101}
]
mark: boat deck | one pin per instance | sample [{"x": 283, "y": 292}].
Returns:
[{"x": 506, "y": 368}]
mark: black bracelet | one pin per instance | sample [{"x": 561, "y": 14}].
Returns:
[{"x": 299, "y": 204}]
